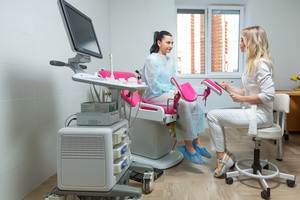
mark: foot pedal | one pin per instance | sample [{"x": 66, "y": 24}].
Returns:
[
  {"x": 158, "y": 173},
  {"x": 136, "y": 176}
]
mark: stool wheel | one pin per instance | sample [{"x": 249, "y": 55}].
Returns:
[
  {"x": 290, "y": 183},
  {"x": 229, "y": 180},
  {"x": 265, "y": 194},
  {"x": 286, "y": 136}
]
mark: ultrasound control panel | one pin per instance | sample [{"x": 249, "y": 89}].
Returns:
[{"x": 108, "y": 82}]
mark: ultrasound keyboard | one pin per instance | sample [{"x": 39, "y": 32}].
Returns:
[{"x": 107, "y": 82}]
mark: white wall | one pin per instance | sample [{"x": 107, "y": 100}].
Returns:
[
  {"x": 36, "y": 98},
  {"x": 281, "y": 21},
  {"x": 133, "y": 23}
]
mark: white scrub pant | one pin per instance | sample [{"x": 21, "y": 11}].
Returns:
[{"x": 234, "y": 118}]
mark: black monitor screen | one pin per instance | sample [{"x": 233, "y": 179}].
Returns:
[{"x": 80, "y": 30}]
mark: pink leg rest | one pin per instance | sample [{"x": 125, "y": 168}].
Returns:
[
  {"x": 187, "y": 92},
  {"x": 212, "y": 85}
]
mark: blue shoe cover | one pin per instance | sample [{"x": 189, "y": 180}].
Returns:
[
  {"x": 193, "y": 158},
  {"x": 202, "y": 151}
]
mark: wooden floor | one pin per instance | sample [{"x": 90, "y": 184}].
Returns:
[{"x": 188, "y": 181}]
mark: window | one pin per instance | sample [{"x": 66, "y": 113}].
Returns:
[{"x": 208, "y": 41}]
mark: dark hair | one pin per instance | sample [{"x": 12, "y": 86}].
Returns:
[{"x": 158, "y": 36}]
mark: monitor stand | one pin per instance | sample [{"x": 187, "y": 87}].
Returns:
[{"x": 74, "y": 63}]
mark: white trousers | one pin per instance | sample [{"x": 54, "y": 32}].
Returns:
[{"x": 234, "y": 118}]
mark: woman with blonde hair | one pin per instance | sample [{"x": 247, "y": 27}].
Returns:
[{"x": 258, "y": 89}]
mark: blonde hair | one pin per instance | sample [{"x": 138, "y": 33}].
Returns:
[{"x": 257, "y": 49}]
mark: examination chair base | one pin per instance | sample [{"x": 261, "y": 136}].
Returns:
[{"x": 167, "y": 161}]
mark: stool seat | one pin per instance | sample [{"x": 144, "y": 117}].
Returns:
[{"x": 273, "y": 133}]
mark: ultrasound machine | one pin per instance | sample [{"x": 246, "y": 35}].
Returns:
[{"x": 93, "y": 157}]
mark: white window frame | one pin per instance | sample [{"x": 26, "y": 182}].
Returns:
[{"x": 208, "y": 15}]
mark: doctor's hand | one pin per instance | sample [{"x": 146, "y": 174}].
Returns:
[
  {"x": 236, "y": 97},
  {"x": 225, "y": 85}
]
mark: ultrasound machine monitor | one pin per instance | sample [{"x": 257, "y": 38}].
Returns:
[{"x": 80, "y": 30}]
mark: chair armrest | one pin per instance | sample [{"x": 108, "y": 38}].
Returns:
[
  {"x": 152, "y": 112},
  {"x": 159, "y": 109}
]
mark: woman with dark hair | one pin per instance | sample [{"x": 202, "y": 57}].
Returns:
[{"x": 157, "y": 73}]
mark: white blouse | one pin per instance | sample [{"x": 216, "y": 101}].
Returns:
[{"x": 261, "y": 84}]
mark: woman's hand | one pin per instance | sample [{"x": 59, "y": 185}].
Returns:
[
  {"x": 174, "y": 92},
  {"x": 225, "y": 85},
  {"x": 236, "y": 97},
  {"x": 238, "y": 93}
]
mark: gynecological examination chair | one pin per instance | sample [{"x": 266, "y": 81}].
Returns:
[{"x": 151, "y": 141}]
